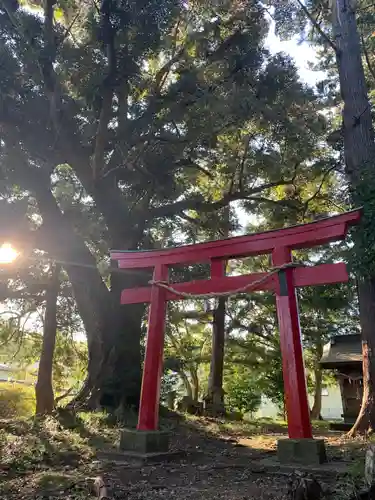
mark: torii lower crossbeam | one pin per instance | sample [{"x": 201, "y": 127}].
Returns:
[{"x": 280, "y": 245}]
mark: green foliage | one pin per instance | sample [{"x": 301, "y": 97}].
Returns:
[
  {"x": 16, "y": 400},
  {"x": 201, "y": 82},
  {"x": 273, "y": 383},
  {"x": 242, "y": 392},
  {"x": 150, "y": 148},
  {"x": 146, "y": 148},
  {"x": 169, "y": 383},
  {"x": 21, "y": 350},
  {"x": 187, "y": 346},
  {"x": 357, "y": 178}
]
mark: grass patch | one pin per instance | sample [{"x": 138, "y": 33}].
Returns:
[
  {"x": 33, "y": 443},
  {"x": 250, "y": 427},
  {"x": 16, "y": 400},
  {"x": 52, "y": 456}
]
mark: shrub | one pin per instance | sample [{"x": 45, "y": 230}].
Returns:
[
  {"x": 16, "y": 400},
  {"x": 242, "y": 393}
]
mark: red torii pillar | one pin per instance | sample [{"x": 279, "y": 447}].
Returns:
[
  {"x": 279, "y": 244},
  {"x": 297, "y": 404}
]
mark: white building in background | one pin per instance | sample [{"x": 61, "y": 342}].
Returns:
[
  {"x": 5, "y": 372},
  {"x": 18, "y": 374},
  {"x": 331, "y": 405}
]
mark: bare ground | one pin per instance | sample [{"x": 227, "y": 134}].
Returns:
[{"x": 55, "y": 460}]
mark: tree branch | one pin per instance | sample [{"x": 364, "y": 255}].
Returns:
[
  {"x": 189, "y": 163},
  {"x": 64, "y": 395},
  {"x": 156, "y": 104},
  {"x": 195, "y": 222},
  {"x": 46, "y": 61},
  {"x": 369, "y": 65},
  {"x": 108, "y": 37},
  {"x": 317, "y": 25},
  {"x": 243, "y": 160},
  {"x": 46, "y": 58},
  {"x": 318, "y": 191},
  {"x": 203, "y": 206},
  {"x": 262, "y": 199},
  {"x": 68, "y": 30},
  {"x": 163, "y": 72}
]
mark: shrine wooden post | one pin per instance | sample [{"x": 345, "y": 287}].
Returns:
[{"x": 279, "y": 244}]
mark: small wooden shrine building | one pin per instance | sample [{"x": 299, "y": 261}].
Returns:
[{"x": 343, "y": 354}]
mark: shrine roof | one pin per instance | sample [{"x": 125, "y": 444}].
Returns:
[{"x": 342, "y": 349}]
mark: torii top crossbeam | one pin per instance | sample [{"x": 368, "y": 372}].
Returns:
[
  {"x": 302, "y": 236},
  {"x": 270, "y": 242},
  {"x": 279, "y": 244}
]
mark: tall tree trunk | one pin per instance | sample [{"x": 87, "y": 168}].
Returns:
[
  {"x": 359, "y": 152},
  {"x": 365, "y": 422},
  {"x": 215, "y": 394},
  {"x": 187, "y": 385},
  {"x": 195, "y": 384},
  {"x": 317, "y": 404},
  {"x": 44, "y": 388},
  {"x": 318, "y": 379}
]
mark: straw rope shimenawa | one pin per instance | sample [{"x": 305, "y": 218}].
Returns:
[{"x": 251, "y": 287}]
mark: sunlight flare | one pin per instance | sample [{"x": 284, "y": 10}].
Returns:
[{"x": 7, "y": 254}]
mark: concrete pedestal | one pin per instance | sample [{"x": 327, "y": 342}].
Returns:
[
  {"x": 301, "y": 451},
  {"x": 144, "y": 442},
  {"x": 146, "y": 446}
]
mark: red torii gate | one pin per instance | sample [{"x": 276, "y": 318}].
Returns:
[{"x": 278, "y": 243}]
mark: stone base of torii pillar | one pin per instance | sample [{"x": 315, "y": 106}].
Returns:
[
  {"x": 301, "y": 451},
  {"x": 147, "y": 446}
]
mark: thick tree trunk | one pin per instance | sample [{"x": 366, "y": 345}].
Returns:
[
  {"x": 358, "y": 133},
  {"x": 114, "y": 369},
  {"x": 359, "y": 152},
  {"x": 44, "y": 388},
  {"x": 113, "y": 332},
  {"x": 125, "y": 358}
]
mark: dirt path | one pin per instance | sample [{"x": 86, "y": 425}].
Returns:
[
  {"x": 187, "y": 481},
  {"x": 225, "y": 467},
  {"x": 215, "y": 466}
]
